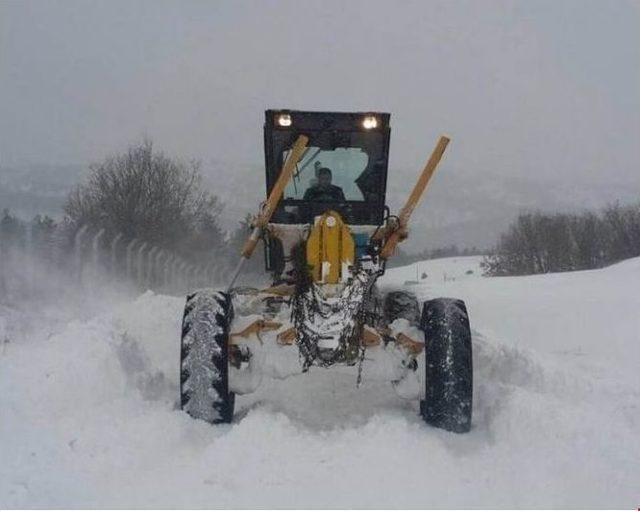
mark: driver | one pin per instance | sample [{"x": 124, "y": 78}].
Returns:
[{"x": 323, "y": 190}]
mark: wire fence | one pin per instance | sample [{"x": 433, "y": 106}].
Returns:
[{"x": 33, "y": 258}]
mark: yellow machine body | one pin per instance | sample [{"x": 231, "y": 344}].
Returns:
[{"x": 330, "y": 249}]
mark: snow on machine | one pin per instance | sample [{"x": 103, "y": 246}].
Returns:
[{"x": 327, "y": 236}]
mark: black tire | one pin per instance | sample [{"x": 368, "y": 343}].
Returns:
[
  {"x": 448, "y": 365},
  {"x": 401, "y": 304},
  {"x": 204, "y": 357}
]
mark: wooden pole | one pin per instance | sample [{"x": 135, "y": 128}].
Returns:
[
  {"x": 276, "y": 194},
  {"x": 270, "y": 206},
  {"x": 405, "y": 213}
]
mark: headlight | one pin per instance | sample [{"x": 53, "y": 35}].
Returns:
[
  {"x": 284, "y": 120},
  {"x": 369, "y": 122}
]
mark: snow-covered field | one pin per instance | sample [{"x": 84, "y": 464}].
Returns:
[{"x": 88, "y": 412}]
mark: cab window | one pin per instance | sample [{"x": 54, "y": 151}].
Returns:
[{"x": 346, "y": 164}]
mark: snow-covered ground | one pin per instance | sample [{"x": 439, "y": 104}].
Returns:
[{"x": 88, "y": 412}]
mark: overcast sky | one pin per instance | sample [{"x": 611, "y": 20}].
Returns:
[{"x": 523, "y": 88}]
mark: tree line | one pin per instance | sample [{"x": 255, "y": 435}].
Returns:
[
  {"x": 143, "y": 194},
  {"x": 140, "y": 194},
  {"x": 402, "y": 258},
  {"x": 538, "y": 242}
]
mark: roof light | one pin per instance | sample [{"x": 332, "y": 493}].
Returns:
[
  {"x": 369, "y": 122},
  {"x": 284, "y": 120}
]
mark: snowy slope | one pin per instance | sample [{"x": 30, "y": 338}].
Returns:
[{"x": 88, "y": 410}]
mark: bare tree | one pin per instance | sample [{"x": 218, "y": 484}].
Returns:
[
  {"x": 146, "y": 195},
  {"x": 541, "y": 243}
]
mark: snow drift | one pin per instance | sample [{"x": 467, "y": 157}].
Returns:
[{"x": 89, "y": 412}]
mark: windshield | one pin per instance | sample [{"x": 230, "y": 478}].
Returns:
[{"x": 334, "y": 170}]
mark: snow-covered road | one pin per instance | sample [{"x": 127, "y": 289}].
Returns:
[{"x": 88, "y": 412}]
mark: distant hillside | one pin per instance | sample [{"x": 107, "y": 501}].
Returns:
[
  {"x": 466, "y": 207},
  {"x": 28, "y": 190}
]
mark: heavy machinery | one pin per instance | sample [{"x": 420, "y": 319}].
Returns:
[{"x": 327, "y": 236}]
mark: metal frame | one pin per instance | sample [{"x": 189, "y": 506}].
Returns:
[{"x": 326, "y": 128}]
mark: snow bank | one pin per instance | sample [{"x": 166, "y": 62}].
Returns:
[{"x": 89, "y": 415}]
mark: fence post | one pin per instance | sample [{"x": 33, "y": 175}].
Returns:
[
  {"x": 130, "y": 258},
  {"x": 94, "y": 248},
  {"x": 175, "y": 271},
  {"x": 183, "y": 275},
  {"x": 191, "y": 276},
  {"x": 77, "y": 247},
  {"x": 114, "y": 252},
  {"x": 140, "y": 272},
  {"x": 150, "y": 265},
  {"x": 159, "y": 273}
]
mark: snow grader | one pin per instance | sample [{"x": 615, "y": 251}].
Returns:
[{"x": 327, "y": 237}]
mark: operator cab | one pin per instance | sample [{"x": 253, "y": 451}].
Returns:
[{"x": 344, "y": 168}]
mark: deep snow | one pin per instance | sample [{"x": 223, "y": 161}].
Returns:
[{"x": 89, "y": 419}]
